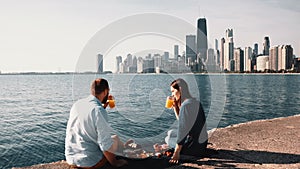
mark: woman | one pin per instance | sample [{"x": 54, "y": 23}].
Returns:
[{"x": 192, "y": 134}]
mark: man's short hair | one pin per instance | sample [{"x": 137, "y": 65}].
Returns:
[{"x": 98, "y": 86}]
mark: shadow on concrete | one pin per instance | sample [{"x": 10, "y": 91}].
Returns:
[
  {"x": 230, "y": 158},
  {"x": 218, "y": 159},
  {"x": 212, "y": 159}
]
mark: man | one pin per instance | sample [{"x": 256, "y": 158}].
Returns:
[{"x": 88, "y": 142}]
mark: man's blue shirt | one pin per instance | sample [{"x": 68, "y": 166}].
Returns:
[{"x": 88, "y": 133}]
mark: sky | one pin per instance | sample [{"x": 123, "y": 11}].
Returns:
[{"x": 51, "y": 35}]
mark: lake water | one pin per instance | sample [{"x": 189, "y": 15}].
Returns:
[{"x": 34, "y": 109}]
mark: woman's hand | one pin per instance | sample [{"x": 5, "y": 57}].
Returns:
[
  {"x": 110, "y": 97},
  {"x": 175, "y": 158},
  {"x": 176, "y": 155}
]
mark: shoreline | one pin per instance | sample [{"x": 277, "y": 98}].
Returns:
[
  {"x": 93, "y": 73},
  {"x": 269, "y": 143}
]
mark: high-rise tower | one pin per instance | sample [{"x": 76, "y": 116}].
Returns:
[
  {"x": 255, "y": 49},
  {"x": 238, "y": 60},
  {"x": 176, "y": 50},
  {"x": 228, "y": 49},
  {"x": 285, "y": 57},
  {"x": 190, "y": 49},
  {"x": 273, "y": 58},
  {"x": 222, "y": 54},
  {"x": 217, "y": 52},
  {"x": 202, "y": 39},
  {"x": 266, "y": 46},
  {"x": 247, "y": 59},
  {"x": 99, "y": 63},
  {"x": 118, "y": 61}
]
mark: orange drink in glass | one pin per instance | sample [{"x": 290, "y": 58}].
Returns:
[
  {"x": 169, "y": 102},
  {"x": 111, "y": 101}
]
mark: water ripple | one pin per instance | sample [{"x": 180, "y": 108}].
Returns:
[{"x": 35, "y": 108}]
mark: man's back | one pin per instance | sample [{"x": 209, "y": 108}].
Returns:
[{"x": 88, "y": 133}]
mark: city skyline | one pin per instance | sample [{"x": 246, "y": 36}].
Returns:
[
  {"x": 230, "y": 59},
  {"x": 49, "y": 36}
]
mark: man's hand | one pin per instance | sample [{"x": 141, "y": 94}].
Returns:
[
  {"x": 105, "y": 105},
  {"x": 111, "y": 158}
]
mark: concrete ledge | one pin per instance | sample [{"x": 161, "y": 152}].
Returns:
[{"x": 270, "y": 143}]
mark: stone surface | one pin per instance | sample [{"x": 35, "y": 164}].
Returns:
[{"x": 258, "y": 144}]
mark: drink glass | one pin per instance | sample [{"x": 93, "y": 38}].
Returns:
[
  {"x": 111, "y": 101},
  {"x": 169, "y": 102}
]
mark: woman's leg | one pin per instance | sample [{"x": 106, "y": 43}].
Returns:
[{"x": 194, "y": 149}]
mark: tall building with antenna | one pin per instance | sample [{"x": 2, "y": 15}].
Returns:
[{"x": 202, "y": 39}]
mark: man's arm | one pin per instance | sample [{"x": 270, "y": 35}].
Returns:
[{"x": 107, "y": 144}]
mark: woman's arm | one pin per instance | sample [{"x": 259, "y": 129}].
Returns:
[{"x": 176, "y": 109}]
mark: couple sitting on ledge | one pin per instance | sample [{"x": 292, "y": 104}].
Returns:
[{"x": 89, "y": 143}]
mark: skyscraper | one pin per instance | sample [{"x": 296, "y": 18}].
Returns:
[
  {"x": 133, "y": 67},
  {"x": 134, "y": 61},
  {"x": 166, "y": 56},
  {"x": 211, "y": 60},
  {"x": 129, "y": 60},
  {"x": 222, "y": 54},
  {"x": 190, "y": 48},
  {"x": 176, "y": 50},
  {"x": 262, "y": 63},
  {"x": 157, "y": 61},
  {"x": 99, "y": 63},
  {"x": 239, "y": 59},
  {"x": 255, "y": 49},
  {"x": 247, "y": 59},
  {"x": 280, "y": 59},
  {"x": 273, "y": 59},
  {"x": 118, "y": 61},
  {"x": 217, "y": 52},
  {"x": 140, "y": 67},
  {"x": 285, "y": 57},
  {"x": 254, "y": 56},
  {"x": 228, "y": 49},
  {"x": 202, "y": 39},
  {"x": 216, "y": 44},
  {"x": 266, "y": 46}
]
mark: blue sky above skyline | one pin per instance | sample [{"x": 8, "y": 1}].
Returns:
[{"x": 49, "y": 35}]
